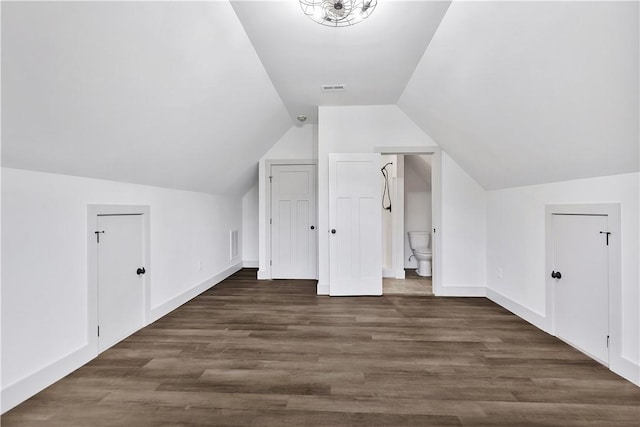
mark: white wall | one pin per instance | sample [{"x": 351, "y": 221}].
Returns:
[
  {"x": 464, "y": 231},
  {"x": 44, "y": 259},
  {"x": 387, "y": 218},
  {"x": 250, "y": 227},
  {"x": 360, "y": 129},
  {"x": 417, "y": 200},
  {"x": 516, "y": 245},
  {"x": 299, "y": 143}
]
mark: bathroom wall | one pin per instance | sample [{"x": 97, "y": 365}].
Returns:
[
  {"x": 417, "y": 200},
  {"x": 387, "y": 215}
]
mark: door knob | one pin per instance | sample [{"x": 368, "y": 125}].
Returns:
[
  {"x": 556, "y": 275},
  {"x": 141, "y": 270},
  {"x": 333, "y": 231},
  {"x": 313, "y": 227}
]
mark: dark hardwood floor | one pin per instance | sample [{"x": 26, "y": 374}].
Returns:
[{"x": 249, "y": 353}]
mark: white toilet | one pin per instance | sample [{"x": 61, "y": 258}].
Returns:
[{"x": 420, "y": 243}]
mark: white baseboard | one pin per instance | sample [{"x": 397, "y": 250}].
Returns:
[
  {"x": 388, "y": 272},
  {"x": 264, "y": 275},
  {"x": 167, "y": 307},
  {"x": 16, "y": 393},
  {"x": 617, "y": 364},
  {"x": 323, "y": 288},
  {"x": 625, "y": 368},
  {"x": 250, "y": 264},
  {"x": 536, "y": 319},
  {"x": 462, "y": 291}
]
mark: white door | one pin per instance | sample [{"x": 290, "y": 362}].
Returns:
[
  {"x": 355, "y": 224},
  {"x": 120, "y": 284},
  {"x": 581, "y": 303},
  {"x": 293, "y": 216}
]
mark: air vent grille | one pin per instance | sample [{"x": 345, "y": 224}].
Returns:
[
  {"x": 333, "y": 88},
  {"x": 233, "y": 244}
]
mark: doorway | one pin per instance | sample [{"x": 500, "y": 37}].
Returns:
[
  {"x": 118, "y": 272},
  {"x": 410, "y": 184}
]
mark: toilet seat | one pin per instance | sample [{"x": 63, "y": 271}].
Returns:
[{"x": 422, "y": 251}]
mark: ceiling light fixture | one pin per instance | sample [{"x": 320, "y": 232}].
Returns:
[{"x": 338, "y": 13}]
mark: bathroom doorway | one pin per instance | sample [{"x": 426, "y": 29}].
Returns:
[{"x": 407, "y": 223}]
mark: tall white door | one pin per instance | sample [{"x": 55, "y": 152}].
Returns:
[
  {"x": 355, "y": 225},
  {"x": 581, "y": 288},
  {"x": 293, "y": 215},
  {"x": 120, "y": 283}
]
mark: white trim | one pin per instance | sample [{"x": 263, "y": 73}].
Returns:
[
  {"x": 397, "y": 215},
  {"x": 626, "y": 369},
  {"x": 617, "y": 362},
  {"x": 250, "y": 264},
  {"x": 461, "y": 291},
  {"x": 265, "y": 274},
  {"x": 167, "y": 307},
  {"x": 322, "y": 288},
  {"x": 21, "y": 390},
  {"x": 415, "y": 149},
  {"x": 388, "y": 273},
  {"x": 536, "y": 319}
]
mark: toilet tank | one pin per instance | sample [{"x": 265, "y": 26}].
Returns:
[{"x": 419, "y": 239}]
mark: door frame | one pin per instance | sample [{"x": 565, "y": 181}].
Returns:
[
  {"x": 612, "y": 211},
  {"x": 436, "y": 207},
  {"x": 93, "y": 211},
  {"x": 267, "y": 275}
]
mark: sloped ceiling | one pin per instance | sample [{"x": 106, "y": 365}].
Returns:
[
  {"x": 374, "y": 59},
  {"x": 531, "y": 92},
  {"x": 170, "y": 94},
  {"x": 190, "y": 95}
]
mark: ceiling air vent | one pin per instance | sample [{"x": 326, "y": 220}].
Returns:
[{"x": 332, "y": 88}]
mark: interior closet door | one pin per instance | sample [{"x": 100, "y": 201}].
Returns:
[
  {"x": 293, "y": 216},
  {"x": 581, "y": 288},
  {"x": 355, "y": 222},
  {"x": 120, "y": 282}
]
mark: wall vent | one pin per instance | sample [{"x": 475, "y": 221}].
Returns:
[
  {"x": 233, "y": 244},
  {"x": 333, "y": 88}
]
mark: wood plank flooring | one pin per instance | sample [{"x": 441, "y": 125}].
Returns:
[
  {"x": 412, "y": 284},
  {"x": 249, "y": 353}
]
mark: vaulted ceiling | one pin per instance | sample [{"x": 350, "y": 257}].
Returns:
[{"x": 190, "y": 95}]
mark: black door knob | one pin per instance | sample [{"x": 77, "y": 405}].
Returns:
[
  {"x": 556, "y": 275},
  {"x": 141, "y": 270},
  {"x": 333, "y": 231},
  {"x": 313, "y": 227}
]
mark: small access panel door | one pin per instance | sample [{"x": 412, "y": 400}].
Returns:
[
  {"x": 581, "y": 282},
  {"x": 120, "y": 277}
]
